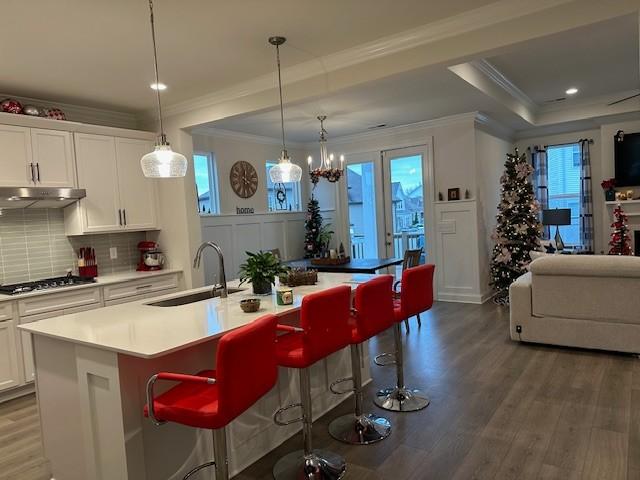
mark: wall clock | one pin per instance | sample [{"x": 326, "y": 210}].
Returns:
[{"x": 244, "y": 179}]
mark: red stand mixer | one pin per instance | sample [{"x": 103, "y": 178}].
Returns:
[{"x": 151, "y": 258}]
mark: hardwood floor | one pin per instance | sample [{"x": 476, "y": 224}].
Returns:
[{"x": 499, "y": 410}]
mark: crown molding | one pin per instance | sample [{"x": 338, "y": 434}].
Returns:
[
  {"x": 496, "y": 76},
  {"x": 491, "y": 126},
  {"x": 243, "y": 137},
  {"x": 410, "y": 128},
  {"x": 482, "y": 17},
  {"x": 82, "y": 114}
]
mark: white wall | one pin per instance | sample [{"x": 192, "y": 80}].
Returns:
[{"x": 228, "y": 150}]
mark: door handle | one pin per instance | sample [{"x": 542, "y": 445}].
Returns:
[
  {"x": 38, "y": 170},
  {"x": 120, "y": 216},
  {"x": 388, "y": 244},
  {"x": 124, "y": 215},
  {"x": 33, "y": 175}
]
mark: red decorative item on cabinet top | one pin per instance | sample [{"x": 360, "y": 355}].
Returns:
[
  {"x": 11, "y": 106},
  {"x": 56, "y": 114}
]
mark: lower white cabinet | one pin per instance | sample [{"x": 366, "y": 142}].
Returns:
[
  {"x": 9, "y": 370},
  {"x": 16, "y": 352},
  {"x": 28, "y": 366}
]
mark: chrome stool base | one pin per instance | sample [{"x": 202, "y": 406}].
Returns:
[
  {"x": 319, "y": 465},
  {"x": 362, "y": 430},
  {"x": 197, "y": 469},
  {"x": 401, "y": 399}
]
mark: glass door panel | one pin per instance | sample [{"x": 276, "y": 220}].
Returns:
[
  {"x": 361, "y": 201},
  {"x": 404, "y": 201}
]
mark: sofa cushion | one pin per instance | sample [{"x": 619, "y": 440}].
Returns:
[
  {"x": 599, "y": 288},
  {"x": 587, "y": 265}
]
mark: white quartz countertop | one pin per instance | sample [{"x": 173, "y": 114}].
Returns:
[
  {"x": 101, "y": 280},
  {"x": 142, "y": 330}
]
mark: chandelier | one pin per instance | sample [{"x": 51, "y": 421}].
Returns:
[
  {"x": 284, "y": 171},
  {"x": 326, "y": 169}
]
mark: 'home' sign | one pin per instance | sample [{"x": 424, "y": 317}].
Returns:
[{"x": 244, "y": 211}]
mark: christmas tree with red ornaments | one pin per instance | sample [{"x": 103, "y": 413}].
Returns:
[{"x": 620, "y": 242}]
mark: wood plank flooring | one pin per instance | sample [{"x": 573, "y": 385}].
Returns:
[{"x": 499, "y": 410}]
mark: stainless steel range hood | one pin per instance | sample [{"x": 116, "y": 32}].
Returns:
[{"x": 39, "y": 197}]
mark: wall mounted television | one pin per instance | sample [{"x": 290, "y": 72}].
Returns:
[{"x": 627, "y": 160}]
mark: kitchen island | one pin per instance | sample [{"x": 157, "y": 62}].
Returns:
[{"x": 92, "y": 368}]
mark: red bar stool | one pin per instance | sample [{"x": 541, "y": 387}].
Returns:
[
  {"x": 416, "y": 296},
  {"x": 213, "y": 398},
  {"x": 325, "y": 329},
  {"x": 372, "y": 315}
]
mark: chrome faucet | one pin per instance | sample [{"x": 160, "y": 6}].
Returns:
[{"x": 223, "y": 278}]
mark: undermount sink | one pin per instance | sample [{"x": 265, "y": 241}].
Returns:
[{"x": 192, "y": 298}]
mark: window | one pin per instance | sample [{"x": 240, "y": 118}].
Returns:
[
  {"x": 206, "y": 176},
  {"x": 283, "y": 196},
  {"x": 564, "y": 172}
]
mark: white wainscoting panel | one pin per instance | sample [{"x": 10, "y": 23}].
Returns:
[
  {"x": 237, "y": 234},
  {"x": 457, "y": 254}
]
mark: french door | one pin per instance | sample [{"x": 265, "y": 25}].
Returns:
[
  {"x": 404, "y": 200},
  {"x": 384, "y": 198}
]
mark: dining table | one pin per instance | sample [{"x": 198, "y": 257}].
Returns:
[{"x": 356, "y": 265}]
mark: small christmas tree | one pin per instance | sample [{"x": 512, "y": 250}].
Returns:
[
  {"x": 518, "y": 228},
  {"x": 620, "y": 242},
  {"x": 313, "y": 226}
]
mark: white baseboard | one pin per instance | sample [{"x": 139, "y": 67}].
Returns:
[
  {"x": 464, "y": 297},
  {"x": 17, "y": 392}
]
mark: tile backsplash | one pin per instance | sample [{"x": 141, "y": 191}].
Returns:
[{"x": 33, "y": 246}]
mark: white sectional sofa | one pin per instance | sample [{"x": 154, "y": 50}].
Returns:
[{"x": 580, "y": 301}]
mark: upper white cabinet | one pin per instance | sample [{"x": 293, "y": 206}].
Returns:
[
  {"x": 119, "y": 197},
  {"x": 16, "y": 159},
  {"x": 36, "y": 157},
  {"x": 53, "y": 161},
  {"x": 137, "y": 193}
]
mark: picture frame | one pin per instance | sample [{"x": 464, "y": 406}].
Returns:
[{"x": 453, "y": 194}]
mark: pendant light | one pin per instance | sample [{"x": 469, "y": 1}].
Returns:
[
  {"x": 326, "y": 168},
  {"x": 162, "y": 162},
  {"x": 284, "y": 171}
]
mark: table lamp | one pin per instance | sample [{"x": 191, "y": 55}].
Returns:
[{"x": 557, "y": 217}]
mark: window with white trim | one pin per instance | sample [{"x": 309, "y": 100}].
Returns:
[
  {"x": 563, "y": 186},
  {"x": 206, "y": 177}
]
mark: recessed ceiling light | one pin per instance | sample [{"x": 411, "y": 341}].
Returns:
[
  {"x": 571, "y": 91},
  {"x": 158, "y": 86}
]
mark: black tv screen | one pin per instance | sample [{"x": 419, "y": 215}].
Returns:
[{"x": 627, "y": 160}]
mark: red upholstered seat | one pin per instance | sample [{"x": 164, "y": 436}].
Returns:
[
  {"x": 374, "y": 309},
  {"x": 324, "y": 317},
  {"x": 246, "y": 369},
  {"x": 416, "y": 295}
]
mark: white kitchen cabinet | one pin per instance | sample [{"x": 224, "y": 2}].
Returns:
[
  {"x": 137, "y": 193},
  {"x": 16, "y": 159},
  {"x": 9, "y": 371},
  {"x": 139, "y": 289},
  {"x": 25, "y": 337},
  {"x": 53, "y": 159},
  {"x": 118, "y": 197}
]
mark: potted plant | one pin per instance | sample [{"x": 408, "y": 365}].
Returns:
[
  {"x": 325, "y": 238},
  {"x": 261, "y": 270},
  {"x": 609, "y": 191}
]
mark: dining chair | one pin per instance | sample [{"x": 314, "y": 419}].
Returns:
[{"x": 411, "y": 259}]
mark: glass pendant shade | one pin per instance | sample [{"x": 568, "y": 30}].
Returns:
[
  {"x": 163, "y": 163},
  {"x": 285, "y": 171}
]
